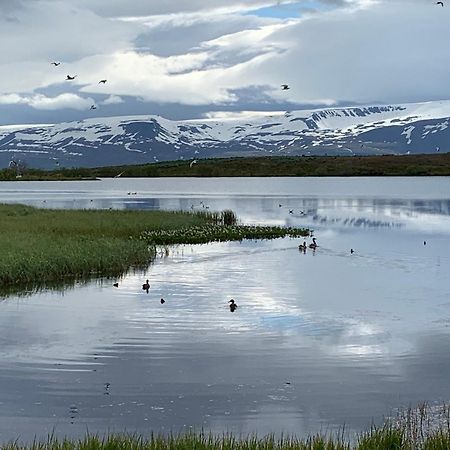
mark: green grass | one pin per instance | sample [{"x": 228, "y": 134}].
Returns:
[
  {"x": 423, "y": 428},
  {"x": 273, "y": 166},
  {"x": 43, "y": 246},
  {"x": 217, "y": 233},
  {"x": 387, "y": 437}
]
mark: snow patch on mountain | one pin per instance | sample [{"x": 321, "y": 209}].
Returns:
[{"x": 418, "y": 127}]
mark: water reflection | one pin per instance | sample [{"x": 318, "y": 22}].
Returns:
[
  {"x": 319, "y": 339},
  {"x": 287, "y": 204}
]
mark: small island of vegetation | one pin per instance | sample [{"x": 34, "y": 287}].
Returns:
[{"x": 41, "y": 246}]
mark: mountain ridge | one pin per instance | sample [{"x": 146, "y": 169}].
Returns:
[{"x": 357, "y": 130}]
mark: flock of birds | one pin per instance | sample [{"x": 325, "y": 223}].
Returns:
[
  {"x": 72, "y": 77},
  {"x": 284, "y": 87}
]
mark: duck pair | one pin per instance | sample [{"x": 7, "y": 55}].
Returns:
[{"x": 304, "y": 246}]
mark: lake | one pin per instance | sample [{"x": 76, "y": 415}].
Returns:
[{"x": 319, "y": 340}]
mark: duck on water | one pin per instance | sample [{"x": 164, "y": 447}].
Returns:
[
  {"x": 233, "y": 305},
  {"x": 146, "y": 286},
  {"x": 304, "y": 246},
  {"x": 314, "y": 244}
]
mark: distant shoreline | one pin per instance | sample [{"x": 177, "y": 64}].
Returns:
[{"x": 270, "y": 166}]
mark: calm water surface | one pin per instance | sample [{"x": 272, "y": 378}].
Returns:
[{"x": 320, "y": 340}]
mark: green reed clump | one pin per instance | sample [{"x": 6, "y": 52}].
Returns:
[
  {"x": 42, "y": 245},
  {"x": 376, "y": 439},
  {"x": 218, "y": 233},
  {"x": 190, "y": 441},
  {"x": 424, "y": 428},
  {"x": 39, "y": 246},
  {"x": 226, "y": 217},
  {"x": 388, "y": 437}
]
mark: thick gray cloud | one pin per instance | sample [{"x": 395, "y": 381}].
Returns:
[
  {"x": 169, "y": 35},
  {"x": 219, "y": 54}
]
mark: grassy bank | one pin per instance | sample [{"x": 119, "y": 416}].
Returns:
[
  {"x": 274, "y": 166},
  {"x": 41, "y": 246},
  {"x": 392, "y": 436}
]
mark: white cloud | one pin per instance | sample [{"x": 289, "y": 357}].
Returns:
[
  {"x": 154, "y": 7},
  {"x": 11, "y": 99},
  {"x": 39, "y": 101},
  {"x": 206, "y": 52},
  {"x": 113, "y": 100}
]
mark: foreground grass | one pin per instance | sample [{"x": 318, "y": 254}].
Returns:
[
  {"x": 273, "y": 166},
  {"x": 399, "y": 436},
  {"x": 424, "y": 428},
  {"x": 41, "y": 246}
]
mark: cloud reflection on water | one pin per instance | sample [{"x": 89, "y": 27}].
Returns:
[{"x": 354, "y": 334}]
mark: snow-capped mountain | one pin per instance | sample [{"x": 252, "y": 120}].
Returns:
[{"x": 368, "y": 130}]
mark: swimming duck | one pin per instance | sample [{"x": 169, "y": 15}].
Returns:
[
  {"x": 233, "y": 305},
  {"x": 302, "y": 247},
  {"x": 314, "y": 244},
  {"x": 146, "y": 285},
  {"x": 162, "y": 301},
  {"x": 116, "y": 284}
]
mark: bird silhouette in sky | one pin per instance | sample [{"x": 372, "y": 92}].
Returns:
[
  {"x": 440, "y": 3},
  {"x": 69, "y": 78},
  {"x": 54, "y": 63},
  {"x": 93, "y": 107},
  {"x": 285, "y": 87},
  {"x": 102, "y": 81}
]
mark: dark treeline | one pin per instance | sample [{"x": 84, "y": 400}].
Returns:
[{"x": 273, "y": 166}]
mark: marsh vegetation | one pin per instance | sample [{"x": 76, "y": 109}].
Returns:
[
  {"x": 420, "y": 429},
  {"x": 41, "y": 246}
]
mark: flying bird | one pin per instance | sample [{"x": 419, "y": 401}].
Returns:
[
  {"x": 440, "y": 3},
  {"x": 102, "y": 81},
  {"x": 69, "y": 78},
  {"x": 54, "y": 63},
  {"x": 93, "y": 107},
  {"x": 194, "y": 161},
  {"x": 285, "y": 87}
]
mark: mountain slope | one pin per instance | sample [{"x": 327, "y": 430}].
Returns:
[{"x": 369, "y": 130}]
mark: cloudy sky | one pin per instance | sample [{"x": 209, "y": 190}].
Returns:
[{"x": 205, "y": 58}]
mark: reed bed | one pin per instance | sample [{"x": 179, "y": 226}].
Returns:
[
  {"x": 40, "y": 246},
  {"x": 218, "y": 233},
  {"x": 390, "y": 436},
  {"x": 423, "y": 428}
]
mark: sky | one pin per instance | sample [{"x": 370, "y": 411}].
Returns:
[{"x": 185, "y": 59}]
